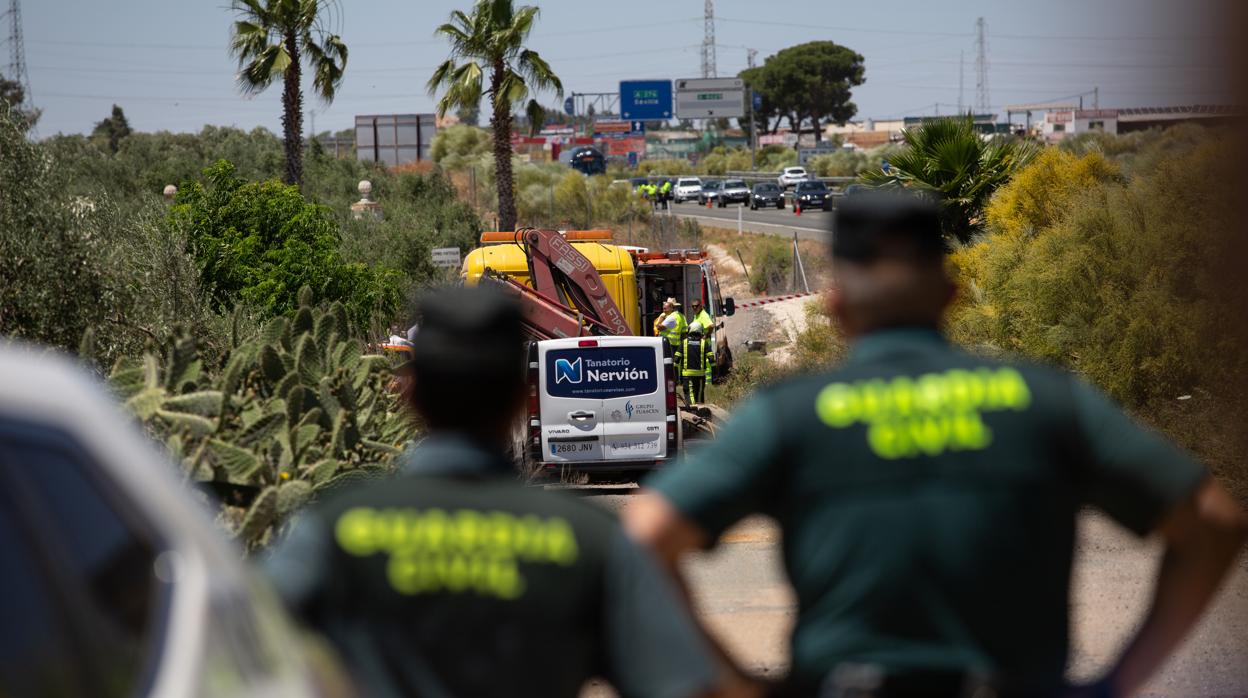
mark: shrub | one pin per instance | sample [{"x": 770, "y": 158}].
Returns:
[
  {"x": 1122, "y": 281},
  {"x": 53, "y": 279},
  {"x": 773, "y": 267},
  {"x": 294, "y": 410},
  {"x": 1039, "y": 194},
  {"x": 947, "y": 159},
  {"x": 260, "y": 242},
  {"x": 666, "y": 167},
  {"x": 459, "y": 146}
]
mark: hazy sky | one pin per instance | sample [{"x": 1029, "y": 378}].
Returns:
[{"x": 165, "y": 61}]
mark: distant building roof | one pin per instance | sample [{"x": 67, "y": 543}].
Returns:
[{"x": 1180, "y": 112}]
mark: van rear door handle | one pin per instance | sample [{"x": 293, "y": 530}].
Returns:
[{"x": 581, "y": 415}]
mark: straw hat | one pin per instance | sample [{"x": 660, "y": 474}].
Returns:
[{"x": 671, "y": 301}]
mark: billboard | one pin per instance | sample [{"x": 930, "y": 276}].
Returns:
[
  {"x": 617, "y": 127},
  {"x": 646, "y": 100},
  {"x": 621, "y": 147},
  {"x": 394, "y": 139},
  {"x": 710, "y": 98}
]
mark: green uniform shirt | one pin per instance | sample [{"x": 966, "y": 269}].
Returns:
[
  {"x": 928, "y": 499},
  {"x": 453, "y": 579}
]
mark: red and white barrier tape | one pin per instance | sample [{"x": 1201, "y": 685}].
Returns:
[{"x": 773, "y": 299}]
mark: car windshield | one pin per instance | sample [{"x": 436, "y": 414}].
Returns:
[
  {"x": 734, "y": 184},
  {"x": 766, "y": 188},
  {"x": 711, "y": 185},
  {"x": 688, "y": 182},
  {"x": 795, "y": 171},
  {"x": 814, "y": 186}
]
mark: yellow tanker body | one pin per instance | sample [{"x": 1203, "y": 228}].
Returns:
[{"x": 614, "y": 265}]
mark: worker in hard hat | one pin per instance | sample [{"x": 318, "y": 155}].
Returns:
[
  {"x": 671, "y": 325},
  {"x": 697, "y": 357}
]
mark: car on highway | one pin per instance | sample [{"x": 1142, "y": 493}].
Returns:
[
  {"x": 765, "y": 195},
  {"x": 686, "y": 189},
  {"x": 791, "y": 176},
  {"x": 733, "y": 191},
  {"x": 116, "y": 581},
  {"x": 588, "y": 160},
  {"x": 812, "y": 194},
  {"x": 710, "y": 190}
]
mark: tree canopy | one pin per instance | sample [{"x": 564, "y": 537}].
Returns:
[
  {"x": 113, "y": 129},
  {"x": 809, "y": 82}
]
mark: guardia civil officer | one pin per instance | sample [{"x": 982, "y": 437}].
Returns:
[
  {"x": 453, "y": 579},
  {"x": 928, "y": 497}
]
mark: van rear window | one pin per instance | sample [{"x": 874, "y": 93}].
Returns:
[{"x": 602, "y": 372}]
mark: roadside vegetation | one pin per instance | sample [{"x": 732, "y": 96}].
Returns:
[
  {"x": 1107, "y": 257},
  {"x": 234, "y": 319}
]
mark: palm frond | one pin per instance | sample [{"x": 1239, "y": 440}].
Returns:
[
  {"x": 329, "y": 62},
  {"x": 261, "y": 72},
  {"x": 463, "y": 87},
  {"x": 538, "y": 72},
  {"x": 248, "y": 40}
]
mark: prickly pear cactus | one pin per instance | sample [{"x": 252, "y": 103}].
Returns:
[{"x": 295, "y": 410}]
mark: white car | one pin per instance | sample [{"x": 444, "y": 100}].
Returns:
[
  {"x": 686, "y": 189},
  {"x": 116, "y": 581},
  {"x": 791, "y": 176},
  {"x": 601, "y": 404}
]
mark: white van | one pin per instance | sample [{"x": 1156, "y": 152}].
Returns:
[{"x": 601, "y": 404}]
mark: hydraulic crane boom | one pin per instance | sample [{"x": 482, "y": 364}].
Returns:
[{"x": 568, "y": 298}]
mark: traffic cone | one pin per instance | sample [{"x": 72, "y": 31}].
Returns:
[
  {"x": 797, "y": 209},
  {"x": 708, "y": 202}
]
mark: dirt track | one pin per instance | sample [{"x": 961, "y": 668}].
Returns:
[{"x": 741, "y": 594}]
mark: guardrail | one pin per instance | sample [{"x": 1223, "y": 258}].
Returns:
[{"x": 750, "y": 177}]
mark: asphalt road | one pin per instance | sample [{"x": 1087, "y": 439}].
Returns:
[
  {"x": 811, "y": 225},
  {"x": 740, "y": 592}
]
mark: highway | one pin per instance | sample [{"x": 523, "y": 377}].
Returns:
[{"x": 811, "y": 225}]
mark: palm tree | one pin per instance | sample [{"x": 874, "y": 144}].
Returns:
[
  {"x": 490, "y": 42},
  {"x": 271, "y": 39},
  {"x": 950, "y": 160}
]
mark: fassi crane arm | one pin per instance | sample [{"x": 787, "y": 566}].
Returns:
[{"x": 559, "y": 270}]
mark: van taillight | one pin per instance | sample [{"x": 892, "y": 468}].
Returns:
[
  {"x": 670, "y": 380},
  {"x": 534, "y": 416}
]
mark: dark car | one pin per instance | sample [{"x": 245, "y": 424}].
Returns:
[
  {"x": 710, "y": 190},
  {"x": 588, "y": 160},
  {"x": 733, "y": 191},
  {"x": 812, "y": 194},
  {"x": 766, "y": 194}
]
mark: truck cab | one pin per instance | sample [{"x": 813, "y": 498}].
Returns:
[
  {"x": 685, "y": 275},
  {"x": 601, "y": 404}
]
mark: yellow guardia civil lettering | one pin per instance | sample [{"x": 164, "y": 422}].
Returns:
[
  {"x": 465, "y": 550},
  {"x": 927, "y": 414}
]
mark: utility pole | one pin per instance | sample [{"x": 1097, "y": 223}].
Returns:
[
  {"x": 961, "y": 80},
  {"x": 708, "y": 40},
  {"x": 17, "y": 54},
  {"x": 981, "y": 67},
  {"x": 749, "y": 109},
  {"x": 1096, "y": 97}
]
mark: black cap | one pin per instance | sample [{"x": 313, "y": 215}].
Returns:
[
  {"x": 891, "y": 222},
  {"x": 467, "y": 330}
]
